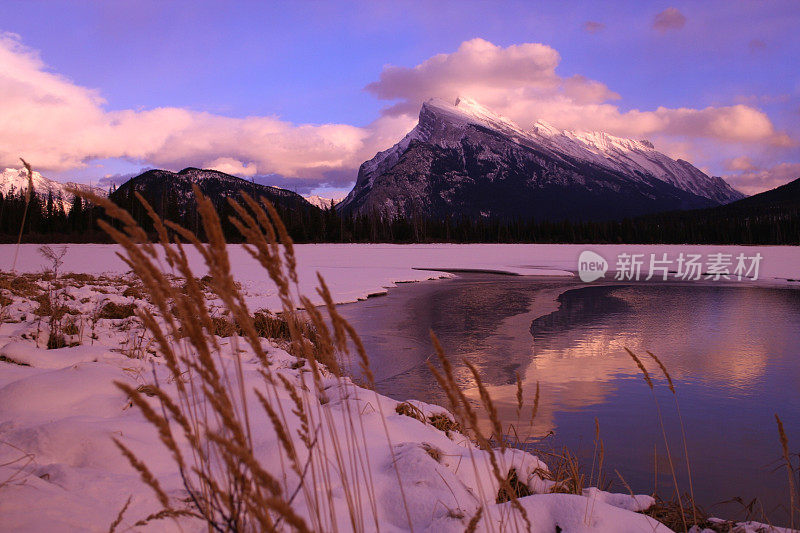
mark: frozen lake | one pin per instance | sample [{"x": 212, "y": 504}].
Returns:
[{"x": 732, "y": 350}]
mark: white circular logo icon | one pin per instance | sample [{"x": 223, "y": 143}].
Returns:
[{"x": 591, "y": 266}]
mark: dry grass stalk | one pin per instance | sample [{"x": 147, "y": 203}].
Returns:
[
  {"x": 566, "y": 471},
  {"x": 206, "y": 408},
  {"x": 663, "y": 371},
  {"x": 683, "y": 429},
  {"x": 118, "y": 520},
  {"x": 474, "y": 521},
  {"x": 534, "y": 411},
  {"x": 598, "y": 445},
  {"x": 642, "y": 368},
  {"x": 789, "y": 469},
  {"x": 467, "y": 416},
  {"x": 671, "y": 513},
  {"x": 51, "y": 302},
  {"x": 28, "y": 193}
]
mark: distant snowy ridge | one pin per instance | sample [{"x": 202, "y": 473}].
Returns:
[
  {"x": 14, "y": 180},
  {"x": 321, "y": 201},
  {"x": 463, "y": 158}
]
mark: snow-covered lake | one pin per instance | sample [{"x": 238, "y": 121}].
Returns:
[
  {"x": 354, "y": 271},
  {"x": 733, "y": 352}
]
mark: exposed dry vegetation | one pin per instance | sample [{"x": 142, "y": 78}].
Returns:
[
  {"x": 440, "y": 421},
  {"x": 227, "y": 485},
  {"x": 114, "y": 311},
  {"x": 673, "y": 512}
]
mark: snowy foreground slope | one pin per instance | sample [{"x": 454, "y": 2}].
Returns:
[{"x": 59, "y": 408}]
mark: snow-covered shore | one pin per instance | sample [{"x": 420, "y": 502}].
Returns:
[{"x": 355, "y": 271}]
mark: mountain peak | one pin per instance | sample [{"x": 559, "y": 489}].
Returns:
[
  {"x": 472, "y": 107},
  {"x": 464, "y": 158},
  {"x": 468, "y": 111},
  {"x": 546, "y": 129}
]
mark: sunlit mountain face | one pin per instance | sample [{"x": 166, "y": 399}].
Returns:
[{"x": 464, "y": 160}]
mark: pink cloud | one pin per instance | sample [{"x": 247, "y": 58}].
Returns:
[
  {"x": 740, "y": 163},
  {"x": 757, "y": 180},
  {"x": 669, "y": 19},
  {"x": 592, "y": 26},
  {"x": 477, "y": 64},
  {"x": 521, "y": 82},
  {"x": 57, "y": 125}
]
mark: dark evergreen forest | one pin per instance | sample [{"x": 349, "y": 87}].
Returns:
[{"x": 771, "y": 218}]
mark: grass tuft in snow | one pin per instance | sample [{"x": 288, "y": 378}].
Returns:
[
  {"x": 440, "y": 421},
  {"x": 115, "y": 311}
]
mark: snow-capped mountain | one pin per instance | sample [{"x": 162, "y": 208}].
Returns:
[
  {"x": 321, "y": 201},
  {"x": 464, "y": 160},
  {"x": 14, "y": 181}
]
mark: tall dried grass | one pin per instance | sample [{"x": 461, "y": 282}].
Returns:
[
  {"x": 205, "y": 423},
  {"x": 649, "y": 382},
  {"x": 683, "y": 432},
  {"x": 673, "y": 511},
  {"x": 467, "y": 416}
]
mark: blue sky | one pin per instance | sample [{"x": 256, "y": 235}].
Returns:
[{"x": 309, "y": 63}]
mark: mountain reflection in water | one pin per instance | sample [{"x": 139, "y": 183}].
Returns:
[{"x": 732, "y": 351}]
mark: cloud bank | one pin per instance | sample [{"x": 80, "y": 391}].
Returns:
[
  {"x": 753, "y": 179},
  {"x": 521, "y": 82},
  {"x": 59, "y": 125}
]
